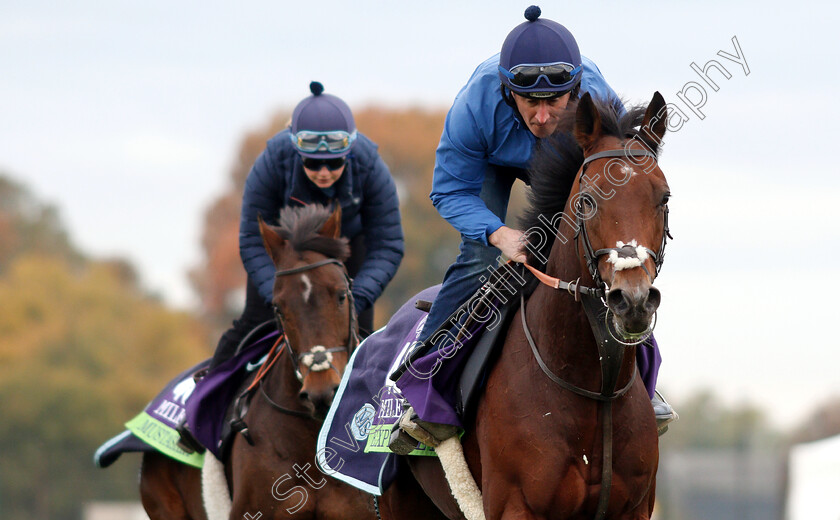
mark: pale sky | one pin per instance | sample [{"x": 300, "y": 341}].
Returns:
[{"x": 128, "y": 116}]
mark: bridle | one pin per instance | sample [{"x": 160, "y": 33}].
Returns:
[
  {"x": 582, "y": 240},
  {"x": 317, "y": 359},
  {"x": 320, "y": 359},
  {"x": 581, "y": 236}
]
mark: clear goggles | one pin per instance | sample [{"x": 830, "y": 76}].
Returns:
[
  {"x": 336, "y": 141},
  {"x": 556, "y": 74}
]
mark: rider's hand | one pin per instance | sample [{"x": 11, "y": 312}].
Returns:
[{"x": 509, "y": 241}]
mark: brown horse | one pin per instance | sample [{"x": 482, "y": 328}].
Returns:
[
  {"x": 557, "y": 433},
  {"x": 273, "y": 475}
]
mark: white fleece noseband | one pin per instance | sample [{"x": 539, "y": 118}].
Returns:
[{"x": 628, "y": 262}]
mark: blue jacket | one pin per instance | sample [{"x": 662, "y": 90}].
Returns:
[
  {"x": 369, "y": 205},
  {"x": 480, "y": 130}
]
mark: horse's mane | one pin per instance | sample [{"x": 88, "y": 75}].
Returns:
[
  {"x": 557, "y": 159},
  {"x": 300, "y": 226}
]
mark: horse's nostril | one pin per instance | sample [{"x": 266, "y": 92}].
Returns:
[
  {"x": 303, "y": 396},
  {"x": 617, "y": 301},
  {"x": 654, "y": 298}
]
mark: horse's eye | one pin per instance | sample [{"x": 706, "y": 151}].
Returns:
[
  {"x": 585, "y": 206},
  {"x": 278, "y": 311},
  {"x": 665, "y": 199},
  {"x": 342, "y": 297}
]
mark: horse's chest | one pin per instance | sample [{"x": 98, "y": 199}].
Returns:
[{"x": 557, "y": 465}]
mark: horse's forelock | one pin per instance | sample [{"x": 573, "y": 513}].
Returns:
[{"x": 301, "y": 227}]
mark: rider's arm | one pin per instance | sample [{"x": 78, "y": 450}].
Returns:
[
  {"x": 460, "y": 165},
  {"x": 383, "y": 233},
  {"x": 263, "y": 194}
]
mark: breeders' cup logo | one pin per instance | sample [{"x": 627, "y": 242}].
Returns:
[
  {"x": 183, "y": 390},
  {"x": 362, "y": 421}
]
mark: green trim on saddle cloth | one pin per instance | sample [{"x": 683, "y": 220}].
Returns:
[
  {"x": 380, "y": 434},
  {"x": 163, "y": 438}
]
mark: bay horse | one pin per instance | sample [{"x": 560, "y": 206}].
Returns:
[
  {"x": 557, "y": 433},
  {"x": 271, "y": 471}
]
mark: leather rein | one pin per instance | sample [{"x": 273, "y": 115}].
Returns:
[{"x": 610, "y": 350}]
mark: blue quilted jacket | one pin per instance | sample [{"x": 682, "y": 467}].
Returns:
[{"x": 369, "y": 205}]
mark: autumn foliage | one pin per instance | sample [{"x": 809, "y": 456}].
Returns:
[{"x": 82, "y": 349}]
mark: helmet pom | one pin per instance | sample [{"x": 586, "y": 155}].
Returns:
[
  {"x": 316, "y": 88},
  {"x": 532, "y": 13}
]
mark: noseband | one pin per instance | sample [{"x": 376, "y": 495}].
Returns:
[
  {"x": 624, "y": 251},
  {"x": 320, "y": 358}
]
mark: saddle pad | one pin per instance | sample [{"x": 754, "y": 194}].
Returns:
[
  {"x": 206, "y": 408},
  {"x": 110, "y": 451},
  {"x": 156, "y": 425},
  {"x": 367, "y": 403}
]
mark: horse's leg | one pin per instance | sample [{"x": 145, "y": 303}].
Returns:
[
  {"x": 158, "y": 495},
  {"x": 170, "y": 490},
  {"x": 406, "y": 498}
]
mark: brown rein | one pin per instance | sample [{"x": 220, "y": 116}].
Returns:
[
  {"x": 573, "y": 288},
  {"x": 272, "y": 356}
]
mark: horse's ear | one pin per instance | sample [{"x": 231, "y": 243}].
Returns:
[
  {"x": 656, "y": 118},
  {"x": 332, "y": 227},
  {"x": 587, "y": 122},
  {"x": 272, "y": 241}
]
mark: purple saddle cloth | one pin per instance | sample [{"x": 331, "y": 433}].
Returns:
[
  {"x": 154, "y": 429},
  {"x": 203, "y": 403},
  {"x": 213, "y": 394},
  {"x": 352, "y": 443}
]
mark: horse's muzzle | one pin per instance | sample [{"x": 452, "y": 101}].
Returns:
[
  {"x": 633, "y": 308},
  {"x": 318, "y": 402}
]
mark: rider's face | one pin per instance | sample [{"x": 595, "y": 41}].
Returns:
[
  {"x": 324, "y": 177},
  {"x": 541, "y": 115}
]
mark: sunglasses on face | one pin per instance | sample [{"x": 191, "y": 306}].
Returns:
[
  {"x": 556, "y": 74},
  {"x": 334, "y": 142},
  {"x": 316, "y": 164}
]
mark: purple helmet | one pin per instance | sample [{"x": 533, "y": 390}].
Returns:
[
  {"x": 540, "y": 58},
  {"x": 322, "y": 125}
]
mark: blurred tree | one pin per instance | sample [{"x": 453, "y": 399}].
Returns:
[
  {"x": 82, "y": 349},
  {"x": 27, "y": 225},
  {"x": 407, "y": 140},
  {"x": 705, "y": 423}
]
